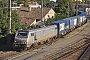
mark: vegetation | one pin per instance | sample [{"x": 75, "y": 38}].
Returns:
[
  {"x": 63, "y": 9},
  {"x": 15, "y": 22},
  {"x": 87, "y": 1},
  {"x": 26, "y": 4},
  {"x": 4, "y": 19},
  {"x": 60, "y": 7},
  {"x": 50, "y": 4}
]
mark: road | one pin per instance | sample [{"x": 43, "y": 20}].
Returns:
[{"x": 48, "y": 49}]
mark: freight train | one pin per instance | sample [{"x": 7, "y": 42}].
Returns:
[{"x": 27, "y": 37}]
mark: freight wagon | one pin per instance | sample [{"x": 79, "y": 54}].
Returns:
[
  {"x": 60, "y": 27},
  {"x": 72, "y": 23},
  {"x": 80, "y": 20},
  {"x": 84, "y": 16}
]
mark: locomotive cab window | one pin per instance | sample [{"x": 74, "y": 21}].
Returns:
[
  {"x": 23, "y": 33},
  {"x": 32, "y": 34}
]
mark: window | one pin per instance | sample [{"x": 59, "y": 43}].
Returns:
[
  {"x": 22, "y": 33},
  {"x": 32, "y": 34},
  {"x": 37, "y": 20},
  {"x": 48, "y": 16}
]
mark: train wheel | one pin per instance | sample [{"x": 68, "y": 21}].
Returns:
[
  {"x": 46, "y": 41},
  {"x": 39, "y": 43},
  {"x": 42, "y": 42},
  {"x": 61, "y": 36},
  {"x": 55, "y": 37},
  {"x": 32, "y": 46}
]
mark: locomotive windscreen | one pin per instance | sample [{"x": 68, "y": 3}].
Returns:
[{"x": 22, "y": 33}]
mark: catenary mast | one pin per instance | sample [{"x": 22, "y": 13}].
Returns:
[{"x": 9, "y": 22}]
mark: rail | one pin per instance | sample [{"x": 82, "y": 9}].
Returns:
[
  {"x": 62, "y": 51},
  {"x": 65, "y": 52},
  {"x": 82, "y": 55}
]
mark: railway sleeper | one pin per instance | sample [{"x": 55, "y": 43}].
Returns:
[
  {"x": 67, "y": 53},
  {"x": 70, "y": 51}
]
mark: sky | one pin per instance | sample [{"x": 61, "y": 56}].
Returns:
[{"x": 53, "y": 0}]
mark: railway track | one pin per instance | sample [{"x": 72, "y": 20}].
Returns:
[
  {"x": 8, "y": 55},
  {"x": 66, "y": 51},
  {"x": 84, "y": 55},
  {"x": 80, "y": 55},
  {"x": 69, "y": 50}
]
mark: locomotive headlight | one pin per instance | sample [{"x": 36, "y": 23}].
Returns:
[{"x": 15, "y": 41}]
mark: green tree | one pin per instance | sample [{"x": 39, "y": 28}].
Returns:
[
  {"x": 15, "y": 22},
  {"x": 46, "y": 1},
  {"x": 87, "y": 1},
  {"x": 4, "y": 19},
  {"x": 40, "y": 1},
  {"x": 59, "y": 16},
  {"x": 50, "y": 4},
  {"x": 62, "y": 10},
  {"x": 62, "y": 7},
  {"x": 49, "y": 20},
  {"x": 34, "y": 0},
  {"x": 72, "y": 8},
  {"x": 26, "y": 4}
]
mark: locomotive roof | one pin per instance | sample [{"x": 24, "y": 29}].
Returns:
[{"x": 39, "y": 29}]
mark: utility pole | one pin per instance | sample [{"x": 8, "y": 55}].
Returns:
[
  {"x": 83, "y": 5},
  {"x": 9, "y": 22},
  {"x": 76, "y": 7},
  {"x": 41, "y": 10},
  {"x": 68, "y": 9}
]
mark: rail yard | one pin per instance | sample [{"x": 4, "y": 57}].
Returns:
[{"x": 68, "y": 48}]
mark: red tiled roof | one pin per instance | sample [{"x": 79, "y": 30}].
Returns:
[{"x": 27, "y": 17}]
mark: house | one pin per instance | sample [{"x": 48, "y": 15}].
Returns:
[
  {"x": 30, "y": 16},
  {"x": 78, "y": 0},
  {"x": 34, "y": 5},
  {"x": 15, "y": 8}
]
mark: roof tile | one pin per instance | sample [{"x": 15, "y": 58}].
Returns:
[{"x": 28, "y": 17}]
